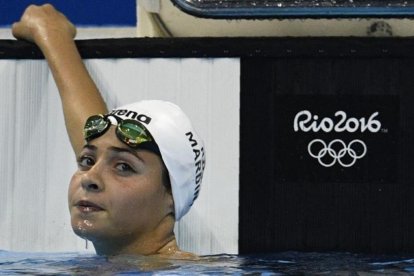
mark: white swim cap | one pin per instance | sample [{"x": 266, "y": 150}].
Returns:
[{"x": 182, "y": 150}]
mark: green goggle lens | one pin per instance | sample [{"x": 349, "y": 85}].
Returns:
[
  {"x": 95, "y": 126},
  {"x": 130, "y": 132}
]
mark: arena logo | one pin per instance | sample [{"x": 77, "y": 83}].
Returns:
[
  {"x": 336, "y": 151},
  {"x": 132, "y": 115}
]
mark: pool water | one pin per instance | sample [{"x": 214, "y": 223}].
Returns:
[{"x": 286, "y": 263}]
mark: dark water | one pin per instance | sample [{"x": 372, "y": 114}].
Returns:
[{"x": 287, "y": 263}]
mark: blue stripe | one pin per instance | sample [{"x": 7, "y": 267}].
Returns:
[{"x": 80, "y": 12}]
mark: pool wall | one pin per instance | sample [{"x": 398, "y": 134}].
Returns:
[{"x": 323, "y": 160}]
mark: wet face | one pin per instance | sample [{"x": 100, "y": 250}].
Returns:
[{"x": 117, "y": 193}]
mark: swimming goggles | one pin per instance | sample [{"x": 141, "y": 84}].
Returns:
[{"x": 130, "y": 132}]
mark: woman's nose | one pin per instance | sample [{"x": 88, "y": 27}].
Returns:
[
  {"x": 91, "y": 181},
  {"x": 91, "y": 186}
]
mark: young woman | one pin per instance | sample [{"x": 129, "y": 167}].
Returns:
[{"x": 139, "y": 166}]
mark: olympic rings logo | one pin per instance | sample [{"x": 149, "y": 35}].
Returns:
[{"x": 337, "y": 156}]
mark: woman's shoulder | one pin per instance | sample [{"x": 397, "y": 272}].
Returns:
[{"x": 180, "y": 255}]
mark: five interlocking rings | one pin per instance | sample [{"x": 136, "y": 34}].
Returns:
[{"x": 337, "y": 156}]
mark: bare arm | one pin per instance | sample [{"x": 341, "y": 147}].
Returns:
[{"x": 54, "y": 34}]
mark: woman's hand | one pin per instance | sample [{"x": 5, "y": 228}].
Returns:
[
  {"x": 54, "y": 35},
  {"x": 40, "y": 24}
]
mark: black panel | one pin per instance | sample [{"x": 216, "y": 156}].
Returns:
[
  {"x": 288, "y": 201},
  {"x": 224, "y": 47}
]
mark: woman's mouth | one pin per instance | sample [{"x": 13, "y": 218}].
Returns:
[{"x": 88, "y": 207}]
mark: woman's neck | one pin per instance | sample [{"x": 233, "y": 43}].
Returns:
[{"x": 160, "y": 241}]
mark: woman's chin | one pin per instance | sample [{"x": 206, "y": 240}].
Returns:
[{"x": 85, "y": 229}]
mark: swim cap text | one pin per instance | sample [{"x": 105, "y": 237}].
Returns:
[
  {"x": 200, "y": 162},
  {"x": 132, "y": 115}
]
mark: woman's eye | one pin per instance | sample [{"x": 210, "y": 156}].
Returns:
[
  {"x": 124, "y": 167},
  {"x": 86, "y": 162}
]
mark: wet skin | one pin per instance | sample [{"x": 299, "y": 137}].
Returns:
[{"x": 117, "y": 198}]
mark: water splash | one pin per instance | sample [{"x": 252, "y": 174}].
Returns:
[{"x": 87, "y": 223}]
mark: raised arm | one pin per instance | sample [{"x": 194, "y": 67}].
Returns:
[{"x": 54, "y": 35}]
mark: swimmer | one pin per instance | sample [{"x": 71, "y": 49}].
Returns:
[{"x": 139, "y": 166}]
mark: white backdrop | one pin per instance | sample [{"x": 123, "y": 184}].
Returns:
[{"x": 36, "y": 160}]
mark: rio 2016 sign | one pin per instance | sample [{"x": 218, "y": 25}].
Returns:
[
  {"x": 306, "y": 122},
  {"x": 326, "y": 154}
]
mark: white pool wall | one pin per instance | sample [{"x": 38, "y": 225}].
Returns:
[{"x": 36, "y": 160}]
